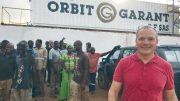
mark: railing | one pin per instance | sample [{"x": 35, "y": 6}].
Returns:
[
  {"x": 17, "y": 16},
  {"x": 174, "y": 8}
]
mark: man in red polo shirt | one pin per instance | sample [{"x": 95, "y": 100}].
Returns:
[{"x": 144, "y": 75}]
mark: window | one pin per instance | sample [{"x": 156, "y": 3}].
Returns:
[
  {"x": 178, "y": 55},
  {"x": 172, "y": 55},
  {"x": 128, "y": 52},
  {"x": 115, "y": 55}
]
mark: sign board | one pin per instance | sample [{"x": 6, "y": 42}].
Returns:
[{"x": 101, "y": 14}]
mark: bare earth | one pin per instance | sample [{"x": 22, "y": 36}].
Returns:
[{"x": 100, "y": 95}]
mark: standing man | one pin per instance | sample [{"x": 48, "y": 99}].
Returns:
[
  {"x": 88, "y": 47},
  {"x": 54, "y": 55},
  {"x": 93, "y": 60},
  {"x": 22, "y": 79},
  {"x": 30, "y": 48},
  {"x": 79, "y": 85},
  {"x": 7, "y": 68},
  {"x": 144, "y": 75},
  {"x": 39, "y": 69},
  {"x": 49, "y": 46}
]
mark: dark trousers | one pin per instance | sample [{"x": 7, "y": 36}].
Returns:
[
  {"x": 38, "y": 84},
  {"x": 92, "y": 82},
  {"x": 48, "y": 73}
]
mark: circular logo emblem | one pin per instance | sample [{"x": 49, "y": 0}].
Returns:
[{"x": 106, "y": 12}]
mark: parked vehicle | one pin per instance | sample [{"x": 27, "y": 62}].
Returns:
[{"x": 170, "y": 53}]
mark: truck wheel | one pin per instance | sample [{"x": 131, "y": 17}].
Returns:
[{"x": 101, "y": 80}]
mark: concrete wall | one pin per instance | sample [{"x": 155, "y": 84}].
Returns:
[{"x": 102, "y": 41}]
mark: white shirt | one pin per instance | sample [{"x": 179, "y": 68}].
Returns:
[{"x": 54, "y": 54}]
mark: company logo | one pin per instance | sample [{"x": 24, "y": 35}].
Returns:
[{"x": 106, "y": 12}]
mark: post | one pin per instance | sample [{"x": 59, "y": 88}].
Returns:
[
  {"x": 2, "y": 15},
  {"x": 173, "y": 19}
]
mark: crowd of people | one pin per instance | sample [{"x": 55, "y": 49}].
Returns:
[{"x": 69, "y": 72}]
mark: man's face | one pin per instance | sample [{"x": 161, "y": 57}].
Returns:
[
  {"x": 92, "y": 50},
  {"x": 77, "y": 46},
  {"x": 31, "y": 44},
  {"x": 9, "y": 49},
  {"x": 38, "y": 44},
  {"x": 22, "y": 50},
  {"x": 47, "y": 44},
  {"x": 56, "y": 45},
  {"x": 146, "y": 42}
]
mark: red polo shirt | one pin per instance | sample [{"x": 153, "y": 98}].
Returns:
[{"x": 144, "y": 82}]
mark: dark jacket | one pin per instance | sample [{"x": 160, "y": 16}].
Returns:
[
  {"x": 7, "y": 67},
  {"x": 23, "y": 74}
]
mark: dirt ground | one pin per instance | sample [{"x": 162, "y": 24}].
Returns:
[{"x": 100, "y": 95}]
